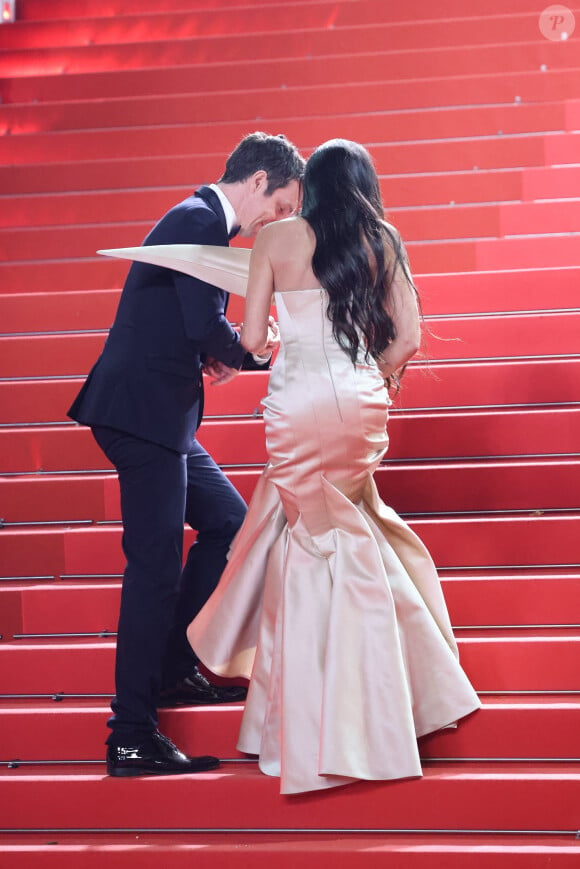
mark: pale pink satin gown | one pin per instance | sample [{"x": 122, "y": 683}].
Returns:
[{"x": 329, "y": 602}]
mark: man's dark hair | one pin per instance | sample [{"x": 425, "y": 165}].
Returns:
[{"x": 278, "y": 157}]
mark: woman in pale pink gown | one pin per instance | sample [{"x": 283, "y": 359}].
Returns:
[{"x": 330, "y": 604}]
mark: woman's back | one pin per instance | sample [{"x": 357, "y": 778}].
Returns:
[
  {"x": 283, "y": 257},
  {"x": 291, "y": 245}
]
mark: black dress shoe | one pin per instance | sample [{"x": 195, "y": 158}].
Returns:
[
  {"x": 196, "y": 690},
  {"x": 155, "y": 755}
]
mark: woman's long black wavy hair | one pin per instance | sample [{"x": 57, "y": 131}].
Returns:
[{"x": 342, "y": 203}]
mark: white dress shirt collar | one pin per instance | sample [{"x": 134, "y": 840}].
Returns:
[{"x": 227, "y": 206}]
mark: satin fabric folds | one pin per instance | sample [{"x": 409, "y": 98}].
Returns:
[{"x": 329, "y": 602}]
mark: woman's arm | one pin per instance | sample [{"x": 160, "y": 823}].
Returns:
[
  {"x": 254, "y": 332},
  {"x": 403, "y": 308}
]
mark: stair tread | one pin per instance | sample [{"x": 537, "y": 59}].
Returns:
[
  {"x": 442, "y": 295},
  {"x": 458, "y": 338},
  {"x": 489, "y": 574},
  {"x": 175, "y": 108},
  {"x": 512, "y": 796},
  {"x": 452, "y": 60},
  {"x": 458, "y": 386},
  {"x": 364, "y": 850},
  {"x": 454, "y": 487},
  {"x": 299, "y": 842},
  {"x": 434, "y": 769},
  {"x": 512, "y": 635},
  {"x": 456, "y": 541},
  {"x": 404, "y": 31},
  {"x": 42, "y": 731},
  {"x": 35, "y": 705}
]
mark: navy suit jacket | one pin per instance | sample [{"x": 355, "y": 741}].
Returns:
[{"x": 148, "y": 381}]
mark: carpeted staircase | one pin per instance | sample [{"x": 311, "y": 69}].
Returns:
[{"x": 112, "y": 111}]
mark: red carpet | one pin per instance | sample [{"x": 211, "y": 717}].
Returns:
[{"x": 111, "y": 111}]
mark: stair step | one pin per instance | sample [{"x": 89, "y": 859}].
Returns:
[
  {"x": 439, "y": 256},
  {"x": 326, "y": 112},
  {"x": 462, "y": 797},
  {"x": 146, "y": 205},
  {"x": 88, "y": 309},
  {"x": 92, "y": 605},
  {"x": 457, "y": 487},
  {"x": 415, "y": 225},
  {"x": 475, "y": 293},
  {"x": 492, "y": 291},
  {"x": 178, "y": 107},
  {"x": 50, "y": 355},
  {"x": 175, "y": 23},
  {"x": 63, "y": 242},
  {"x": 532, "y": 432},
  {"x": 511, "y": 335},
  {"x": 240, "y": 35},
  {"x": 284, "y": 850},
  {"x": 495, "y": 542},
  {"x": 440, "y": 386},
  {"x": 141, "y": 25},
  {"x": 516, "y": 335},
  {"x": 519, "y": 218},
  {"x": 548, "y": 540},
  {"x": 527, "y": 251},
  {"x": 48, "y": 172},
  {"x": 28, "y": 197},
  {"x": 508, "y": 727},
  {"x": 523, "y": 599},
  {"x": 562, "y": 149},
  {"x": 137, "y": 47},
  {"x": 54, "y": 397},
  {"x": 70, "y": 9},
  {"x": 298, "y": 70},
  {"x": 423, "y": 224},
  {"x": 35, "y": 10},
  {"x": 548, "y": 182}
]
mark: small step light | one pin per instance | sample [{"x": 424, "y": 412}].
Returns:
[{"x": 8, "y": 11}]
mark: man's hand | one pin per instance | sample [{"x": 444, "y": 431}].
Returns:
[
  {"x": 273, "y": 341},
  {"x": 218, "y": 372}
]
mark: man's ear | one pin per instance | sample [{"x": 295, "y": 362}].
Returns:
[{"x": 259, "y": 181}]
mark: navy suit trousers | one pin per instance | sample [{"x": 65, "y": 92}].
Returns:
[{"x": 160, "y": 490}]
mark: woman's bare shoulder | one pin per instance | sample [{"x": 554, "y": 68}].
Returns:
[
  {"x": 289, "y": 227},
  {"x": 285, "y": 237},
  {"x": 392, "y": 230}
]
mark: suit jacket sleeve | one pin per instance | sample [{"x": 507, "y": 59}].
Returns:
[{"x": 202, "y": 304}]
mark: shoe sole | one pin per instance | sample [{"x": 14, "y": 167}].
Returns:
[
  {"x": 173, "y": 704},
  {"x": 131, "y": 772}
]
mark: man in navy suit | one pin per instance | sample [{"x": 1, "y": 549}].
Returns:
[{"x": 143, "y": 400}]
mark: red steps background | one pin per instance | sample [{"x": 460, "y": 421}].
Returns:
[
  {"x": 110, "y": 113},
  {"x": 520, "y": 796},
  {"x": 445, "y": 385},
  {"x": 214, "y": 74},
  {"x": 533, "y": 598},
  {"x": 429, "y": 225},
  {"x": 360, "y": 851},
  {"x": 473, "y": 487},
  {"x": 457, "y": 338},
  {"x": 511, "y": 291},
  {"x": 73, "y": 729},
  {"x": 512, "y": 541},
  {"x": 413, "y": 436}
]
